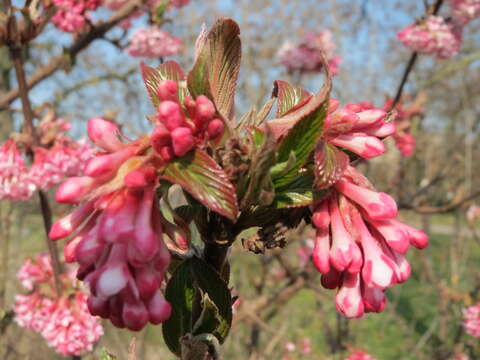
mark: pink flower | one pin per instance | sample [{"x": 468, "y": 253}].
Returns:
[
  {"x": 432, "y": 36},
  {"x": 471, "y": 320},
  {"x": 153, "y": 43},
  {"x": 360, "y": 355},
  {"x": 63, "y": 320},
  {"x": 306, "y": 55},
  {"x": 473, "y": 213},
  {"x": 72, "y": 15},
  {"x": 359, "y": 245},
  {"x": 465, "y": 11}
]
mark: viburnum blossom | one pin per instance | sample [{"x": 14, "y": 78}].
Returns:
[
  {"x": 15, "y": 182},
  {"x": 62, "y": 158},
  {"x": 471, "y": 320},
  {"x": 118, "y": 233},
  {"x": 473, "y": 213},
  {"x": 63, "y": 320},
  {"x": 465, "y": 11},
  {"x": 153, "y": 42},
  {"x": 72, "y": 15},
  {"x": 306, "y": 55},
  {"x": 359, "y": 245},
  {"x": 360, "y": 355},
  {"x": 433, "y": 35}
]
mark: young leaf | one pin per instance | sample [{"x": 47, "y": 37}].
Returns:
[
  {"x": 217, "y": 66},
  {"x": 289, "y": 96},
  {"x": 330, "y": 164},
  {"x": 300, "y": 192},
  {"x": 152, "y": 78},
  {"x": 199, "y": 174}
]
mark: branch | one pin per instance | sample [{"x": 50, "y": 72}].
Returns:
[{"x": 59, "y": 62}]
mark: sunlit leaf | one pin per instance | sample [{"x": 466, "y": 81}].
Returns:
[
  {"x": 330, "y": 164},
  {"x": 289, "y": 97}
]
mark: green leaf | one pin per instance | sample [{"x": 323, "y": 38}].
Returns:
[
  {"x": 179, "y": 293},
  {"x": 282, "y": 168},
  {"x": 192, "y": 277},
  {"x": 217, "y": 66},
  {"x": 152, "y": 78},
  {"x": 199, "y": 174},
  {"x": 300, "y": 192},
  {"x": 330, "y": 164},
  {"x": 289, "y": 96}
]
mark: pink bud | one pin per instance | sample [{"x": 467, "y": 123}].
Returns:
[
  {"x": 116, "y": 308},
  {"x": 98, "y": 307},
  {"x": 349, "y": 300},
  {"x": 369, "y": 118},
  {"x": 89, "y": 248},
  {"x": 332, "y": 279},
  {"x": 378, "y": 269},
  {"x": 159, "y": 310},
  {"x": 145, "y": 239},
  {"x": 170, "y": 114},
  {"x": 106, "y": 165},
  {"x": 74, "y": 189},
  {"x": 148, "y": 281},
  {"x": 204, "y": 109},
  {"x": 104, "y": 134},
  {"x": 124, "y": 220},
  {"x": 417, "y": 238},
  {"x": 160, "y": 137},
  {"x": 354, "y": 107},
  {"x": 373, "y": 299},
  {"x": 363, "y": 145},
  {"x": 344, "y": 253},
  {"x": 182, "y": 140},
  {"x": 403, "y": 270},
  {"x": 114, "y": 277},
  {"x": 215, "y": 128},
  {"x": 135, "y": 316},
  {"x": 320, "y": 254},
  {"x": 166, "y": 153},
  {"x": 378, "y": 205},
  {"x": 381, "y": 130},
  {"x": 333, "y": 105},
  {"x": 167, "y": 90},
  {"x": 140, "y": 178},
  {"x": 70, "y": 249},
  {"x": 321, "y": 216},
  {"x": 396, "y": 237},
  {"x": 68, "y": 224}
]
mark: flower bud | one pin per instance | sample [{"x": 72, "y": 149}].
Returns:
[
  {"x": 104, "y": 134},
  {"x": 74, "y": 189},
  {"x": 171, "y": 115},
  {"x": 135, "y": 315},
  {"x": 159, "y": 310},
  {"x": 182, "y": 141},
  {"x": 167, "y": 90},
  {"x": 215, "y": 128}
]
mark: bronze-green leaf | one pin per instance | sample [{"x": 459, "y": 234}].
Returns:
[
  {"x": 152, "y": 77},
  {"x": 289, "y": 97},
  {"x": 217, "y": 66},
  {"x": 199, "y": 174},
  {"x": 330, "y": 164}
]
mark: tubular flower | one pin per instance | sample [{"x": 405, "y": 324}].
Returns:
[
  {"x": 306, "y": 55},
  {"x": 471, "y": 320},
  {"x": 357, "y": 127},
  {"x": 433, "y": 36},
  {"x": 465, "y": 11},
  {"x": 360, "y": 246},
  {"x": 62, "y": 320},
  {"x": 153, "y": 43},
  {"x": 118, "y": 234}
]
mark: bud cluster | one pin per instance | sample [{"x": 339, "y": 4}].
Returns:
[
  {"x": 73, "y": 15},
  {"x": 63, "y": 320},
  {"x": 357, "y": 128},
  {"x": 306, "y": 56},
  {"x": 360, "y": 246},
  {"x": 433, "y": 35},
  {"x": 471, "y": 320},
  {"x": 360, "y": 355},
  {"x": 176, "y": 131}
]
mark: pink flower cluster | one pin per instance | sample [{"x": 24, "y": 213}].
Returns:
[
  {"x": 65, "y": 158},
  {"x": 434, "y": 35},
  {"x": 471, "y": 320},
  {"x": 306, "y": 55},
  {"x": 153, "y": 42},
  {"x": 177, "y": 133},
  {"x": 359, "y": 245},
  {"x": 64, "y": 321},
  {"x": 357, "y": 128},
  {"x": 465, "y": 11},
  {"x": 360, "y": 355},
  {"x": 72, "y": 15}
]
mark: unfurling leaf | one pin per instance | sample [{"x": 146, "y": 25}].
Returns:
[
  {"x": 330, "y": 164},
  {"x": 152, "y": 77},
  {"x": 196, "y": 278},
  {"x": 199, "y": 174},
  {"x": 300, "y": 192},
  {"x": 289, "y": 97},
  {"x": 217, "y": 66}
]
